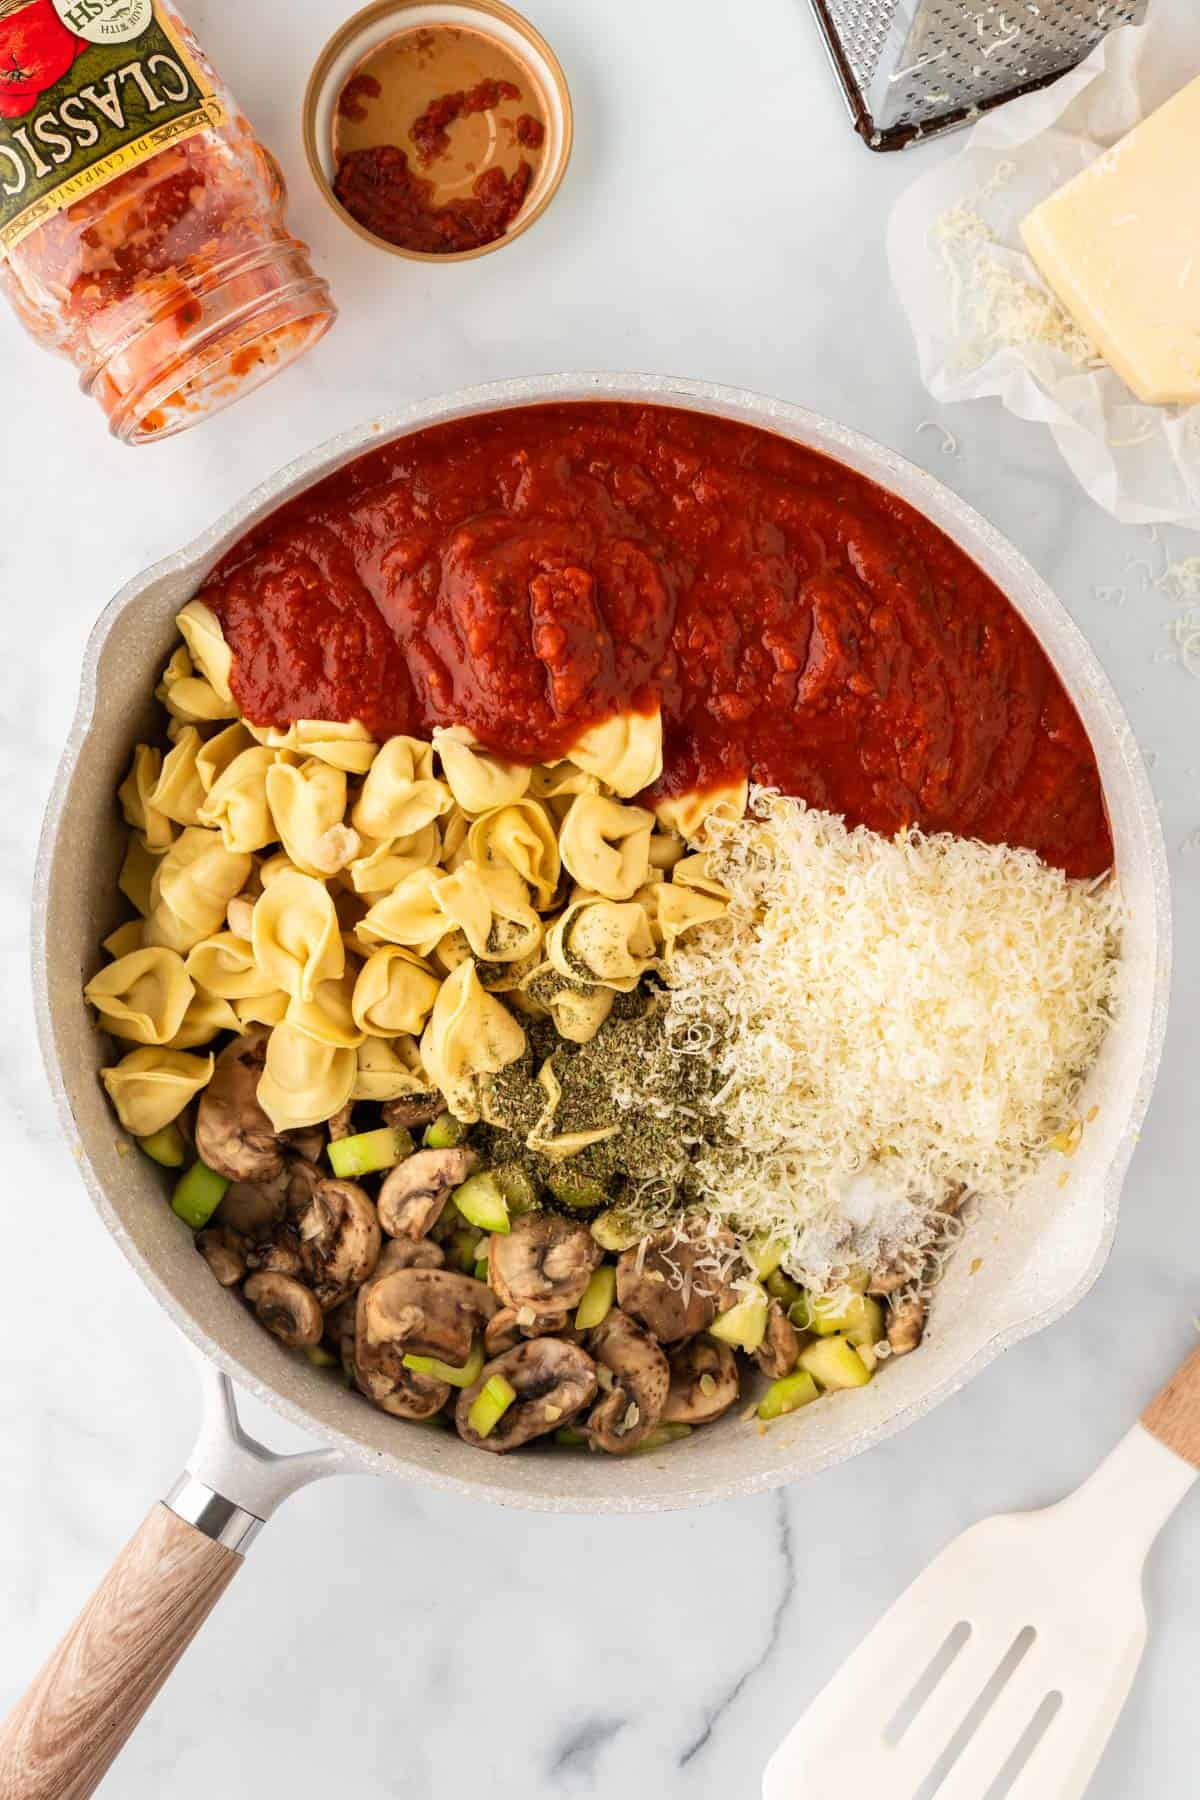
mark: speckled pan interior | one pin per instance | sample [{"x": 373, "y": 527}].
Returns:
[{"x": 1034, "y": 1262}]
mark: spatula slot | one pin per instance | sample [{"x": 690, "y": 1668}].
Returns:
[
  {"x": 1014, "y": 1656},
  {"x": 1028, "y": 1742},
  {"x": 904, "y": 1716}
]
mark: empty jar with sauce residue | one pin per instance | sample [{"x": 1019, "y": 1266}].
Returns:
[{"x": 142, "y": 224}]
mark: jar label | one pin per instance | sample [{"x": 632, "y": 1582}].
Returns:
[{"x": 88, "y": 89}]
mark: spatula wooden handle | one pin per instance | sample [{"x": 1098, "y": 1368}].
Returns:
[
  {"x": 59, "y": 1741},
  {"x": 1173, "y": 1416}
]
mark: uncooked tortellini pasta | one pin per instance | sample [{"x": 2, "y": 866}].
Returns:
[
  {"x": 138, "y": 870},
  {"x": 125, "y": 939},
  {"x": 696, "y": 872},
  {"x": 394, "y": 993},
  {"x": 409, "y": 915},
  {"x": 686, "y": 813},
  {"x": 625, "y": 752},
  {"x": 192, "y": 885},
  {"x": 207, "y": 1014},
  {"x": 236, "y": 803},
  {"x": 224, "y": 965},
  {"x": 307, "y": 803},
  {"x": 296, "y": 937},
  {"x": 469, "y": 1037},
  {"x": 149, "y": 1088},
  {"x": 602, "y": 941},
  {"x": 304, "y": 1082},
  {"x": 491, "y": 907},
  {"x": 577, "y": 1012},
  {"x": 143, "y": 996},
  {"x": 179, "y": 791},
  {"x": 188, "y": 697},
  {"x": 218, "y": 751},
  {"x": 348, "y": 746},
  {"x": 329, "y": 1015},
  {"x": 400, "y": 795},
  {"x": 606, "y": 846},
  {"x": 379, "y": 867},
  {"x": 388, "y": 1069},
  {"x": 478, "y": 780},
  {"x": 675, "y": 909},
  {"x": 519, "y": 836},
  {"x": 201, "y": 631},
  {"x": 137, "y": 803}
]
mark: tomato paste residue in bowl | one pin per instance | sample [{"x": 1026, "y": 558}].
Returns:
[
  {"x": 528, "y": 572},
  {"x": 436, "y": 137}
]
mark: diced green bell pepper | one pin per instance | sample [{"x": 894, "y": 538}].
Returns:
[
  {"x": 481, "y": 1203},
  {"x": 744, "y": 1326},
  {"x": 465, "y": 1377},
  {"x": 787, "y": 1395},
  {"x": 446, "y": 1133},
  {"x": 490, "y": 1405},
  {"x": 598, "y": 1298},
  {"x": 166, "y": 1147},
  {"x": 833, "y": 1362},
  {"x": 198, "y": 1193},
  {"x": 369, "y": 1151}
]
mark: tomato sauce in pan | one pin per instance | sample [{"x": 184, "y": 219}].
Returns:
[{"x": 530, "y": 572}]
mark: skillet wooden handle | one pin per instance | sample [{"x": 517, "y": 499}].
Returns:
[
  {"x": 59, "y": 1741},
  {"x": 1173, "y": 1417}
]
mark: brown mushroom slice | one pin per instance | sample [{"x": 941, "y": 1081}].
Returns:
[
  {"x": 340, "y": 1240},
  {"x": 430, "y": 1312},
  {"x": 224, "y": 1250},
  {"x": 906, "y": 1325},
  {"x": 409, "y": 1253},
  {"x": 233, "y": 1134},
  {"x": 287, "y": 1309},
  {"x": 502, "y": 1333},
  {"x": 704, "y": 1382},
  {"x": 415, "y": 1192},
  {"x": 303, "y": 1180},
  {"x": 411, "y": 1110},
  {"x": 888, "y": 1278},
  {"x": 305, "y": 1141},
  {"x": 666, "y": 1288},
  {"x": 277, "y": 1254},
  {"x": 380, "y": 1374},
  {"x": 777, "y": 1354},
  {"x": 252, "y": 1208},
  {"x": 553, "y": 1381},
  {"x": 544, "y": 1263},
  {"x": 641, "y": 1379},
  {"x": 341, "y": 1123}
]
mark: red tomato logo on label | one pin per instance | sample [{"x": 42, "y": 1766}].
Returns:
[{"x": 36, "y": 50}]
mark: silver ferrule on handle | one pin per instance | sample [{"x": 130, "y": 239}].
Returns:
[{"x": 220, "y": 1519}]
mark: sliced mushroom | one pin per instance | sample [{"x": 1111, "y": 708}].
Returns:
[
  {"x": 341, "y": 1123},
  {"x": 303, "y": 1180},
  {"x": 380, "y": 1374},
  {"x": 888, "y": 1278},
  {"x": 776, "y": 1355},
  {"x": 224, "y": 1251},
  {"x": 430, "y": 1312},
  {"x": 415, "y": 1192},
  {"x": 253, "y": 1208},
  {"x": 413, "y": 1109},
  {"x": 502, "y": 1332},
  {"x": 305, "y": 1141},
  {"x": 233, "y": 1134},
  {"x": 633, "y": 1406},
  {"x": 704, "y": 1382},
  {"x": 906, "y": 1325},
  {"x": 409, "y": 1253},
  {"x": 667, "y": 1288},
  {"x": 278, "y": 1254},
  {"x": 339, "y": 1240},
  {"x": 544, "y": 1263},
  {"x": 286, "y": 1308},
  {"x": 553, "y": 1381}
]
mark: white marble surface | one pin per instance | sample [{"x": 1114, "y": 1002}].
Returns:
[{"x": 719, "y": 220}]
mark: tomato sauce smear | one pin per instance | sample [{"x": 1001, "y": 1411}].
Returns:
[{"x": 527, "y": 573}]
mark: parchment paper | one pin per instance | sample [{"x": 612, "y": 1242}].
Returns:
[{"x": 960, "y": 221}]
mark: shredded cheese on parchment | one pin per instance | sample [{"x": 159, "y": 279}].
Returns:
[
  {"x": 894, "y": 1022},
  {"x": 995, "y": 307}
]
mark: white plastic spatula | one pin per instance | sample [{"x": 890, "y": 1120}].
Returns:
[{"x": 1001, "y": 1672}]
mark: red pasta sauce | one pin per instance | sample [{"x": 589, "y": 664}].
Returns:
[{"x": 531, "y": 572}]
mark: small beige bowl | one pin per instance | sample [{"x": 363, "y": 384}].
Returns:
[{"x": 372, "y": 27}]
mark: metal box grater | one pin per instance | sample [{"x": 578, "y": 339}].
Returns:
[{"x": 912, "y": 68}]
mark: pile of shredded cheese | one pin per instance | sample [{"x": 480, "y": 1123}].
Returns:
[
  {"x": 919, "y": 1011},
  {"x": 994, "y": 306}
]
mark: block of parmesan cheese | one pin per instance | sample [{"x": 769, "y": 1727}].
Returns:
[{"x": 1120, "y": 247}]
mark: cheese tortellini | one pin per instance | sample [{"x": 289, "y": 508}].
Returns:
[
  {"x": 606, "y": 846},
  {"x": 386, "y": 914},
  {"x": 470, "y": 1035}
]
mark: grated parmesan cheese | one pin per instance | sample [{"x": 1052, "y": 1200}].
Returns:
[
  {"x": 892, "y": 1022},
  {"x": 995, "y": 307}
]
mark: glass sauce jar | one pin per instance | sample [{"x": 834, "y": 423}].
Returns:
[{"x": 141, "y": 221}]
